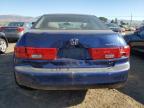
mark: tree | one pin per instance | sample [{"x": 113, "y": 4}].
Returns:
[
  {"x": 123, "y": 23},
  {"x": 116, "y": 21},
  {"x": 103, "y": 19},
  {"x": 112, "y": 21}
]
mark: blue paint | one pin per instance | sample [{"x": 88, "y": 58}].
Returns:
[
  {"x": 72, "y": 78},
  {"x": 69, "y": 64},
  {"x": 90, "y": 40},
  {"x": 133, "y": 37},
  {"x": 57, "y": 40}
]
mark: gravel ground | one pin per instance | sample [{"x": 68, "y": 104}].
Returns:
[{"x": 11, "y": 96}]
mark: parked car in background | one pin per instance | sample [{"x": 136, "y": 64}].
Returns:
[
  {"x": 138, "y": 30},
  {"x": 116, "y": 28},
  {"x": 14, "y": 30},
  {"x": 3, "y": 43},
  {"x": 131, "y": 28},
  {"x": 71, "y": 51},
  {"x": 136, "y": 41},
  {"x": 125, "y": 26}
]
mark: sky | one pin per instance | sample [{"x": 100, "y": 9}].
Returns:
[{"x": 122, "y": 9}]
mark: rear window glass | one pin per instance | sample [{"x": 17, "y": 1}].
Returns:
[
  {"x": 69, "y": 22},
  {"x": 16, "y": 24}
]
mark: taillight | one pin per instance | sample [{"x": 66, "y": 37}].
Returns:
[
  {"x": 20, "y": 29},
  {"x": 2, "y": 28},
  {"x": 36, "y": 53},
  {"x": 109, "y": 53}
]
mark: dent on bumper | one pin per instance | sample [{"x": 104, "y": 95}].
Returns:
[{"x": 71, "y": 78}]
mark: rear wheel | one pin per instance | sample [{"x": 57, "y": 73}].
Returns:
[{"x": 3, "y": 46}]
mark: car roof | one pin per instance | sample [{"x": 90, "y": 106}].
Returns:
[{"x": 85, "y": 15}]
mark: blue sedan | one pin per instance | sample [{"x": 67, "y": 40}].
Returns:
[
  {"x": 136, "y": 40},
  {"x": 71, "y": 51}
]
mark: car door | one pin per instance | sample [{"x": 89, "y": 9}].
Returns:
[{"x": 138, "y": 45}]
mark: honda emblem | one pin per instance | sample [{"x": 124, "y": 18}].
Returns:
[{"x": 74, "y": 42}]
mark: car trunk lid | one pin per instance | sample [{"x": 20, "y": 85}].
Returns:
[
  {"x": 74, "y": 48},
  {"x": 10, "y": 29}
]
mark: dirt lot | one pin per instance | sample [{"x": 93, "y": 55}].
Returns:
[{"x": 11, "y": 96}]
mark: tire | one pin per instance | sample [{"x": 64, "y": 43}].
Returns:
[{"x": 3, "y": 46}]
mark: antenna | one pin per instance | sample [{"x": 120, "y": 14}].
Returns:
[{"x": 131, "y": 19}]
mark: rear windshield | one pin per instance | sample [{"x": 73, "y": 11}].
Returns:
[
  {"x": 16, "y": 24},
  {"x": 69, "y": 22}
]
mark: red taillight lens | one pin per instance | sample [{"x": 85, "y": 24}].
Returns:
[
  {"x": 20, "y": 29},
  {"x": 36, "y": 53},
  {"x": 2, "y": 28},
  {"x": 109, "y": 53}
]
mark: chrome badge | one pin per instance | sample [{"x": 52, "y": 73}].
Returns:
[{"x": 74, "y": 42}]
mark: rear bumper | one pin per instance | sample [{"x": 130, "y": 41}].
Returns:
[{"x": 76, "y": 78}]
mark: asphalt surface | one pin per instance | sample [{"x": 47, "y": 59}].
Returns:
[{"x": 131, "y": 96}]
